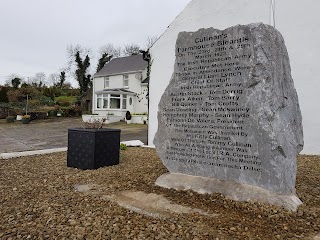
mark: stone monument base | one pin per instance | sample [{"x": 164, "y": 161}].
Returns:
[{"x": 232, "y": 190}]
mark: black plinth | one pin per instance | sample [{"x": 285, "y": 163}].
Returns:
[{"x": 93, "y": 148}]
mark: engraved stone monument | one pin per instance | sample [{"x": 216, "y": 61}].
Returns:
[{"x": 230, "y": 116}]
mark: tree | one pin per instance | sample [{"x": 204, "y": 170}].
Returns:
[
  {"x": 83, "y": 79},
  {"x": 9, "y": 79},
  {"x": 112, "y": 50},
  {"x": 38, "y": 80},
  {"x": 71, "y": 55},
  {"x": 131, "y": 49},
  {"x": 53, "y": 79},
  {"x": 16, "y": 82},
  {"x": 105, "y": 58},
  {"x": 150, "y": 41},
  {"x": 62, "y": 79}
]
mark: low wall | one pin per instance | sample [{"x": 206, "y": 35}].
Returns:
[{"x": 139, "y": 119}]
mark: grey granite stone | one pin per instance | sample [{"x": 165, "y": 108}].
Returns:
[
  {"x": 234, "y": 191},
  {"x": 231, "y": 111}
]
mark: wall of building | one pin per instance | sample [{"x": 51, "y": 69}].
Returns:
[
  {"x": 299, "y": 23},
  {"x": 116, "y": 81},
  {"x": 141, "y": 101}
]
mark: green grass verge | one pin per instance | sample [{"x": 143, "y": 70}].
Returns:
[{"x": 70, "y": 99}]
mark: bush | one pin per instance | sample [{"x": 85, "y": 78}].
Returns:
[
  {"x": 44, "y": 100},
  {"x": 37, "y": 115},
  {"x": 75, "y": 110},
  {"x": 52, "y": 113},
  {"x": 10, "y": 119},
  {"x": 64, "y": 103},
  {"x": 20, "y": 95},
  {"x": 123, "y": 146},
  {"x": 128, "y": 115},
  {"x": 3, "y": 94}
]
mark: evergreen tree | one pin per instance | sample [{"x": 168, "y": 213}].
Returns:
[
  {"x": 105, "y": 58},
  {"x": 83, "y": 79},
  {"x": 16, "y": 82},
  {"x": 62, "y": 79}
]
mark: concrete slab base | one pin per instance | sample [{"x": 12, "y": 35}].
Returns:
[
  {"x": 232, "y": 190},
  {"x": 31, "y": 153},
  {"x": 133, "y": 143},
  {"x": 151, "y": 204}
]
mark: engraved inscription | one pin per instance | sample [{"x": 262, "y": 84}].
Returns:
[
  {"x": 230, "y": 111},
  {"x": 207, "y": 109}
]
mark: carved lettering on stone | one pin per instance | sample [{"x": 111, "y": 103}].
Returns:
[{"x": 230, "y": 110}]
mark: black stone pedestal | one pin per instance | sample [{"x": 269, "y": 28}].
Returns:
[{"x": 93, "y": 148}]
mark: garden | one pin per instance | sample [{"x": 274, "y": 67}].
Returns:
[{"x": 30, "y": 103}]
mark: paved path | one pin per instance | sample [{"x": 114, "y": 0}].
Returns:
[{"x": 53, "y": 133}]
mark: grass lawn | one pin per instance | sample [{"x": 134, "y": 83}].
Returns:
[{"x": 70, "y": 99}]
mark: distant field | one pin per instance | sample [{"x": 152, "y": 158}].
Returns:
[{"x": 66, "y": 98}]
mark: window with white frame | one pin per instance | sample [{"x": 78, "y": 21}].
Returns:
[
  {"x": 125, "y": 81},
  {"x": 115, "y": 100},
  {"x": 102, "y": 101},
  {"x": 106, "y": 82},
  {"x": 124, "y": 101},
  {"x": 111, "y": 101}
]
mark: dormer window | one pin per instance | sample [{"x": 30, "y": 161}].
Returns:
[
  {"x": 125, "y": 81},
  {"x": 106, "y": 82}
]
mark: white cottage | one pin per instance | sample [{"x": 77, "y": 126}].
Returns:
[
  {"x": 121, "y": 86},
  {"x": 297, "y": 20}
]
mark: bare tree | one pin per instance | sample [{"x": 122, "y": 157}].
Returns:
[
  {"x": 149, "y": 42},
  {"x": 131, "y": 49},
  {"x": 111, "y": 50},
  {"x": 53, "y": 79},
  {"x": 39, "y": 79}
]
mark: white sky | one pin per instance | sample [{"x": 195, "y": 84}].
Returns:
[{"x": 34, "y": 34}]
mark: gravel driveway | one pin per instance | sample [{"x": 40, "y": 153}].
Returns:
[
  {"x": 40, "y": 199},
  {"x": 52, "y": 133}
]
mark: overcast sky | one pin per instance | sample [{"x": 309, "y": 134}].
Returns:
[{"x": 35, "y": 33}]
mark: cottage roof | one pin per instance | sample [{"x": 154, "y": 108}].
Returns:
[{"x": 134, "y": 63}]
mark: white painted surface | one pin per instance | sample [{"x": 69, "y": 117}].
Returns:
[
  {"x": 297, "y": 20},
  {"x": 133, "y": 143},
  {"x": 116, "y": 81},
  {"x": 31, "y": 153}
]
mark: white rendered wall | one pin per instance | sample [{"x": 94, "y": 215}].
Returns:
[
  {"x": 297, "y": 20},
  {"x": 141, "y": 102},
  {"x": 116, "y": 81}
]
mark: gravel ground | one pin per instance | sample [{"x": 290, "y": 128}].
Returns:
[{"x": 38, "y": 201}]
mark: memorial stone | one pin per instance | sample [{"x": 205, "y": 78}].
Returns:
[{"x": 230, "y": 111}]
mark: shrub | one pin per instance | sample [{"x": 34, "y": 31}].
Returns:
[
  {"x": 75, "y": 110},
  {"x": 123, "y": 146},
  {"x": 10, "y": 119},
  {"x": 3, "y": 94},
  {"x": 44, "y": 100},
  {"x": 128, "y": 115},
  {"x": 64, "y": 103},
  {"x": 94, "y": 123},
  {"x": 52, "y": 113}
]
